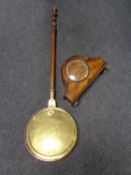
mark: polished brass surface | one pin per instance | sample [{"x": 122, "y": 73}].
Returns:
[
  {"x": 77, "y": 70},
  {"x": 51, "y": 134}
]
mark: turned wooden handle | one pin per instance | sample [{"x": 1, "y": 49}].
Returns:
[{"x": 53, "y": 51}]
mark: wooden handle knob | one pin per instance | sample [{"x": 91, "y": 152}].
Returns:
[{"x": 54, "y": 16}]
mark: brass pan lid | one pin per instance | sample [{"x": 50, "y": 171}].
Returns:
[{"x": 51, "y": 134}]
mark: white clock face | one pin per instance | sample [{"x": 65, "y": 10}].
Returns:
[{"x": 77, "y": 70}]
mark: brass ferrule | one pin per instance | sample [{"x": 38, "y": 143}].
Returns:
[{"x": 51, "y": 93}]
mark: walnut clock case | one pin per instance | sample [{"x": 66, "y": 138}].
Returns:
[{"x": 78, "y": 72}]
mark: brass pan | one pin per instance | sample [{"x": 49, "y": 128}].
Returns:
[{"x": 51, "y": 134}]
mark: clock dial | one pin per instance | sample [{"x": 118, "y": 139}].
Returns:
[{"x": 77, "y": 70}]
